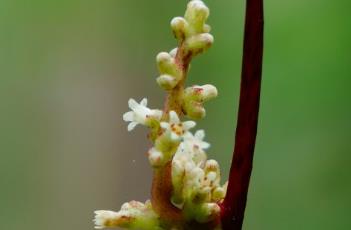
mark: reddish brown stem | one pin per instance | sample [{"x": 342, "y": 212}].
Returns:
[{"x": 233, "y": 206}]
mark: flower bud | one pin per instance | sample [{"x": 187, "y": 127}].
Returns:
[
  {"x": 199, "y": 43},
  {"x": 207, "y": 212},
  {"x": 218, "y": 194},
  {"x": 170, "y": 72},
  {"x": 201, "y": 93},
  {"x": 179, "y": 27},
  {"x": 165, "y": 62},
  {"x": 178, "y": 172},
  {"x": 209, "y": 92},
  {"x": 200, "y": 195},
  {"x": 167, "y": 82},
  {"x": 194, "y": 110},
  {"x": 156, "y": 158},
  {"x": 196, "y": 14}
]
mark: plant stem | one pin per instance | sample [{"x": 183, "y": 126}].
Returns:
[
  {"x": 161, "y": 190},
  {"x": 233, "y": 206}
]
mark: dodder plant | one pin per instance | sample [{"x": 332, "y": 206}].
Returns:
[{"x": 186, "y": 188}]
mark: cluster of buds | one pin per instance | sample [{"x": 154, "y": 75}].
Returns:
[
  {"x": 194, "y": 97},
  {"x": 193, "y": 37},
  {"x": 195, "y": 181},
  {"x": 192, "y": 29}
]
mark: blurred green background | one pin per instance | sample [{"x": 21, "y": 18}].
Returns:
[{"x": 68, "y": 68}]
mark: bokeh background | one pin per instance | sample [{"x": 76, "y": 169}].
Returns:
[{"x": 68, "y": 68}]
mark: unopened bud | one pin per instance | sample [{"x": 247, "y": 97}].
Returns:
[
  {"x": 207, "y": 212},
  {"x": 198, "y": 43},
  {"x": 201, "y": 195},
  {"x": 194, "y": 109},
  {"x": 179, "y": 26},
  {"x": 209, "y": 92},
  {"x": 201, "y": 93},
  {"x": 167, "y": 82},
  {"x": 155, "y": 158},
  {"x": 196, "y": 14},
  {"x": 178, "y": 172},
  {"x": 218, "y": 194},
  {"x": 165, "y": 62},
  {"x": 170, "y": 72}
]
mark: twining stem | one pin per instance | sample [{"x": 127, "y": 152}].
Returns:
[{"x": 233, "y": 206}]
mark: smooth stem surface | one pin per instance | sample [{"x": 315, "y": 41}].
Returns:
[{"x": 233, "y": 206}]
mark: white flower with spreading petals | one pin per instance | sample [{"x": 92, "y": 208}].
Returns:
[
  {"x": 175, "y": 127},
  {"x": 141, "y": 114},
  {"x": 195, "y": 142}
]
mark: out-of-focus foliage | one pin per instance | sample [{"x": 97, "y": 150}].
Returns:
[{"x": 68, "y": 67}]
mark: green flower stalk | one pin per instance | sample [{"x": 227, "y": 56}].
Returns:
[{"x": 186, "y": 188}]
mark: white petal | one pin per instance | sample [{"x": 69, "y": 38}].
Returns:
[
  {"x": 157, "y": 113},
  {"x": 132, "y": 104},
  {"x": 173, "y": 117},
  {"x": 144, "y": 102},
  {"x": 128, "y": 116},
  {"x": 200, "y": 134},
  {"x": 204, "y": 145},
  {"x": 132, "y": 125},
  {"x": 189, "y": 124},
  {"x": 165, "y": 125}
]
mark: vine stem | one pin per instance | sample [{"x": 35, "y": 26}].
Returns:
[{"x": 233, "y": 206}]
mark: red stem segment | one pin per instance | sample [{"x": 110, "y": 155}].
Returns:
[{"x": 233, "y": 206}]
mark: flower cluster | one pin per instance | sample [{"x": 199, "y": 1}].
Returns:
[
  {"x": 194, "y": 180},
  {"x": 133, "y": 215}
]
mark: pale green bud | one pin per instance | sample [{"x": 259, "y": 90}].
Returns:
[
  {"x": 156, "y": 158},
  {"x": 179, "y": 27},
  {"x": 170, "y": 72},
  {"x": 167, "y": 82},
  {"x": 194, "y": 97},
  {"x": 207, "y": 212},
  {"x": 199, "y": 43},
  {"x": 196, "y": 14},
  {"x": 201, "y": 195},
  {"x": 208, "y": 92},
  {"x": 165, "y": 62},
  {"x": 218, "y": 194},
  {"x": 178, "y": 173},
  {"x": 194, "y": 109},
  {"x": 167, "y": 144},
  {"x": 201, "y": 93}
]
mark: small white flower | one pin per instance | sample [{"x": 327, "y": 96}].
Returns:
[
  {"x": 140, "y": 114},
  {"x": 176, "y": 128},
  {"x": 103, "y": 218},
  {"x": 196, "y": 142}
]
